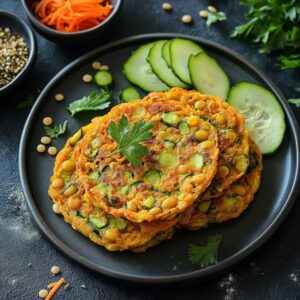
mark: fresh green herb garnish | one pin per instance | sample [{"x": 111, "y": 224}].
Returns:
[
  {"x": 295, "y": 102},
  {"x": 94, "y": 101},
  {"x": 205, "y": 255},
  {"x": 28, "y": 102},
  {"x": 128, "y": 136},
  {"x": 214, "y": 17},
  {"x": 57, "y": 130},
  {"x": 274, "y": 25}
]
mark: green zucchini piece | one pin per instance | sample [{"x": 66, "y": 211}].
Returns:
[
  {"x": 197, "y": 161},
  {"x": 207, "y": 75},
  {"x": 180, "y": 51},
  {"x": 104, "y": 79},
  {"x": 169, "y": 144},
  {"x": 98, "y": 222},
  {"x": 118, "y": 223},
  {"x": 138, "y": 71},
  {"x": 263, "y": 114},
  {"x": 230, "y": 202},
  {"x": 102, "y": 188},
  {"x": 166, "y": 52},
  {"x": 91, "y": 153},
  {"x": 95, "y": 175},
  {"x": 95, "y": 143},
  {"x": 168, "y": 159},
  {"x": 204, "y": 206},
  {"x": 125, "y": 190},
  {"x": 152, "y": 177},
  {"x": 170, "y": 119},
  {"x": 149, "y": 202},
  {"x": 160, "y": 67},
  {"x": 183, "y": 127},
  {"x": 129, "y": 94}
]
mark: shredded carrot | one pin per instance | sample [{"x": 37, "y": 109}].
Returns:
[
  {"x": 72, "y": 15},
  {"x": 55, "y": 288},
  {"x": 51, "y": 285}
]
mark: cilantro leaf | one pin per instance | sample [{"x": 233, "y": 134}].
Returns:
[
  {"x": 214, "y": 17},
  {"x": 205, "y": 255},
  {"x": 295, "y": 102},
  {"x": 94, "y": 101},
  {"x": 28, "y": 102},
  {"x": 128, "y": 136},
  {"x": 290, "y": 61},
  {"x": 57, "y": 130}
]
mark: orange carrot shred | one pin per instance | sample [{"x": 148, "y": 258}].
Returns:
[
  {"x": 55, "y": 288},
  {"x": 51, "y": 285}
]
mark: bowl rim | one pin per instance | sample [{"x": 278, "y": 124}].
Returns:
[
  {"x": 31, "y": 43},
  {"x": 57, "y": 33}
]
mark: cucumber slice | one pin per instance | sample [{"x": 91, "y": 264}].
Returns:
[
  {"x": 129, "y": 94},
  {"x": 166, "y": 53},
  {"x": 207, "y": 75},
  {"x": 263, "y": 114},
  {"x": 138, "y": 71},
  {"x": 170, "y": 119},
  {"x": 180, "y": 51},
  {"x": 160, "y": 67},
  {"x": 104, "y": 79}
]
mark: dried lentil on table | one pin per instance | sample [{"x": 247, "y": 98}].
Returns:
[{"x": 13, "y": 55}]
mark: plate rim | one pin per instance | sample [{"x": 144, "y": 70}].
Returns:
[{"x": 202, "y": 273}]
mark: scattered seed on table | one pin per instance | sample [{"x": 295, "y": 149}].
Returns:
[
  {"x": 66, "y": 286},
  {"x": 45, "y": 140},
  {"x": 41, "y": 148},
  {"x": 59, "y": 97},
  {"x": 167, "y": 6},
  {"x": 104, "y": 68},
  {"x": 55, "y": 208},
  {"x": 212, "y": 9},
  {"x": 96, "y": 65},
  {"x": 87, "y": 78},
  {"x": 29, "y": 265},
  {"x": 187, "y": 19},
  {"x": 203, "y": 13},
  {"x": 43, "y": 293},
  {"x": 52, "y": 151},
  {"x": 47, "y": 121},
  {"x": 83, "y": 286},
  {"x": 55, "y": 270}
]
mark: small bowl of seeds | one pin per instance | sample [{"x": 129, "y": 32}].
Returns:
[{"x": 17, "y": 51}]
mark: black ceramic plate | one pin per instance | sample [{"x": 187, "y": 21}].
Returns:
[{"x": 168, "y": 262}]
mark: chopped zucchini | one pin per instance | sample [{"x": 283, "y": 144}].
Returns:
[
  {"x": 118, "y": 223},
  {"x": 125, "y": 190},
  {"x": 129, "y": 94},
  {"x": 152, "y": 177},
  {"x": 91, "y": 153},
  {"x": 169, "y": 144},
  {"x": 102, "y": 188},
  {"x": 149, "y": 202},
  {"x": 168, "y": 159},
  {"x": 95, "y": 143},
  {"x": 183, "y": 127},
  {"x": 197, "y": 161},
  {"x": 129, "y": 176},
  {"x": 170, "y": 119},
  {"x": 139, "y": 111},
  {"x": 230, "y": 202},
  {"x": 104, "y": 79},
  {"x": 95, "y": 175},
  {"x": 98, "y": 222},
  {"x": 204, "y": 206},
  {"x": 76, "y": 137}
]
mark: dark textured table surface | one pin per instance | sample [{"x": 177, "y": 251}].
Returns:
[{"x": 272, "y": 272}]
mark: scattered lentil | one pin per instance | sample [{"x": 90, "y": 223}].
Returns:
[
  {"x": 43, "y": 293},
  {"x": 55, "y": 208},
  {"x": 87, "y": 78},
  {"x": 167, "y": 6},
  {"x": 59, "y": 97},
  {"x": 13, "y": 55},
  {"x": 187, "y": 19},
  {"x": 55, "y": 270},
  {"x": 47, "y": 121},
  {"x": 45, "y": 140},
  {"x": 41, "y": 148},
  {"x": 104, "y": 68},
  {"x": 52, "y": 151},
  {"x": 203, "y": 13},
  {"x": 96, "y": 65},
  {"x": 212, "y": 9}
]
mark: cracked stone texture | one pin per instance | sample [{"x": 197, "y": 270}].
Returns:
[{"x": 271, "y": 273}]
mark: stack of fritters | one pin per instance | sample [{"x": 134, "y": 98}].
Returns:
[{"x": 202, "y": 168}]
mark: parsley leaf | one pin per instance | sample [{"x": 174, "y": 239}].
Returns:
[
  {"x": 57, "y": 130},
  {"x": 128, "y": 137},
  {"x": 28, "y": 102},
  {"x": 94, "y": 101},
  {"x": 295, "y": 101},
  {"x": 290, "y": 61},
  {"x": 214, "y": 17},
  {"x": 205, "y": 255}
]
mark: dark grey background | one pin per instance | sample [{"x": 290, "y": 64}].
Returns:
[{"x": 273, "y": 272}]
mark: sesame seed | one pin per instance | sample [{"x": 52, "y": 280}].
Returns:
[
  {"x": 187, "y": 19},
  {"x": 43, "y": 293},
  {"x": 52, "y": 151},
  {"x": 59, "y": 97},
  {"x": 87, "y": 78},
  {"x": 45, "y": 140},
  {"x": 167, "y": 6},
  {"x": 203, "y": 13},
  {"x": 96, "y": 65},
  {"x": 212, "y": 9},
  {"x": 47, "y": 121},
  {"x": 41, "y": 148}
]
